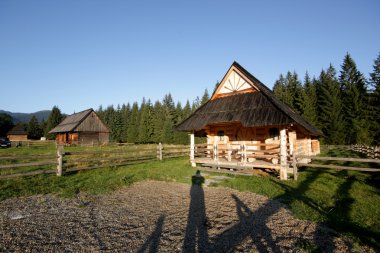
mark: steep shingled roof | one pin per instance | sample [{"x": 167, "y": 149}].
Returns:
[
  {"x": 71, "y": 122},
  {"x": 252, "y": 109},
  {"x": 19, "y": 129}
]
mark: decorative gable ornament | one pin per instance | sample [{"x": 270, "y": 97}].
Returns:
[{"x": 234, "y": 82}]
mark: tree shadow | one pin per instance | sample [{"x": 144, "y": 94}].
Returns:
[
  {"x": 251, "y": 224},
  {"x": 196, "y": 237},
  {"x": 153, "y": 241}
]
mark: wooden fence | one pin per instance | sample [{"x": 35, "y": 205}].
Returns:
[
  {"x": 296, "y": 163},
  {"x": 372, "y": 152},
  {"x": 18, "y": 166}
]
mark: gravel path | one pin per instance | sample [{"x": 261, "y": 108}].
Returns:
[{"x": 155, "y": 216}]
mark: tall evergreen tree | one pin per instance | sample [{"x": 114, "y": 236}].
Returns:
[
  {"x": 33, "y": 129},
  {"x": 355, "y": 100},
  {"x": 374, "y": 117},
  {"x": 145, "y": 126},
  {"x": 125, "y": 113},
  {"x": 330, "y": 105},
  {"x": 310, "y": 102},
  {"x": 279, "y": 88},
  {"x": 205, "y": 97},
  {"x": 158, "y": 118},
  {"x": 169, "y": 123},
  {"x": 6, "y": 124},
  {"x": 132, "y": 130},
  {"x": 53, "y": 120}
]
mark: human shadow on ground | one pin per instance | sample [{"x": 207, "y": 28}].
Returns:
[
  {"x": 153, "y": 241},
  {"x": 196, "y": 235}
]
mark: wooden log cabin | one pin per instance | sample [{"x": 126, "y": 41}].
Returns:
[
  {"x": 82, "y": 128},
  {"x": 248, "y": 127},
  {"x": 18, "y": 133}
]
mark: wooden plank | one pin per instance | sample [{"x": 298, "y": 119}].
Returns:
[
  {"x": 262, "y": 156},
  {"x": 25, "y": 174},
  {"x": 107, "y": 165},
  {"x": 346, "y": 159},
  {"x": 28, "y": 157},
  {"x": 225, "y": 171},
  {"x": 71, "y": 161},
  {"x": 19, "y": 165},
  {"x": 262, "y": 145},
  {"x": 336, "y": 167},
  {"x": 224, "y": 165}
]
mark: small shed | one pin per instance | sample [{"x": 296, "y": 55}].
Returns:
[
  {"x": 82, "y": 128},
  {"x": 18, "y": 133},
  {"x": 248, "y": 127}
]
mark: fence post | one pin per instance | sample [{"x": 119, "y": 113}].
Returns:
[
  {"x": 192, "y": 150},
  {"x": 283, "y": 155},
  {"x": 295, "y": 169},
  {"x": 60, "y": 153},
  {"x": 229, "y": 152},
  {"x": 159, "y": 151}
]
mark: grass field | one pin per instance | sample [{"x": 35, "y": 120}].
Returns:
[{"x": 347, "y": 201}]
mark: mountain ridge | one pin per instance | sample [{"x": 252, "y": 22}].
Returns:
[{"x": 20, "y": 117}]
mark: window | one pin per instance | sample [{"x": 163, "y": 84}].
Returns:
[
  {"x": 220, "y": 134},
  {"x": 273, "y": 133}
]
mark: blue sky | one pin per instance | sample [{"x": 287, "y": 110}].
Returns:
[{"x": 82, "y": 54}]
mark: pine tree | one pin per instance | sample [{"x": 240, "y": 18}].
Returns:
[
  {"x": 33, "y": 129},
  {"x": 53, "y": 120},
  {"x": 132, "y": 131},
  {"x": 205, "y": 97},
  {"x": 310, "y": 102},
  {"x": 168, "y": 127},
  {"x": 6, "y": 124},
  {"x": 355, "y": 100},
  {"x": 117, "y": 124},
  {"x": 374, "y": 117},
  {"x": 145, "y": 131},
  {"x": 279, "y": 88},
  {"x": 125, "y": 113},
  {"x": 330, "y": 106},
  {"x": 158, "y": 118}
]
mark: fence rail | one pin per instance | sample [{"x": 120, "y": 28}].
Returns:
[
  {"x": 19, "y": 166},
  {"x": 296, "y": 164}
]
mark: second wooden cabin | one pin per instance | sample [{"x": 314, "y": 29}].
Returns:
[
  {"x": 82, "y": 128},
  {"x": 247, "y": 126}
]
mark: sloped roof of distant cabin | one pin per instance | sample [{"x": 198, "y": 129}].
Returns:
[
  {"x": 71, "y": 122},
  {"x": 18, "y": 129},
  {"x": 251, "y": 109}
]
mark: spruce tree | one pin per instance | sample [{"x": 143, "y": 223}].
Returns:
[
  {"x": 374, "y": 116},
  {"x": 132, "y": 130},
  {"x": 125, "y": 113},
  {"x": 168, "y": 127},
  {"x": 310, "y": 102},
  {"x": 355, "y": 100},
  {"x": 205, "y": 97},
  {"x": 158, "y": 118},
  {"x": 330, "y": 106},
  {"x": 55, "y": 117},
  {"x": 33, "y": 129},
  {"x": 145, "y": 130},
  {"x": 279, "y": 88},
  {"x": 6, "y": 124}
]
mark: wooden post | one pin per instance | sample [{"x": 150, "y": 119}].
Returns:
[
  {"x": 295, "y": 169},
  {"x": 159, "y": 151},
  {"x": 291, "y": 143},
  {"x": 229, "y": 152},
  {"x": 60, "y": 153},
  {"x": 309, "y": 151},
  {"x": 283, "y": 155},
  {"x": 192, "y": 150}
]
